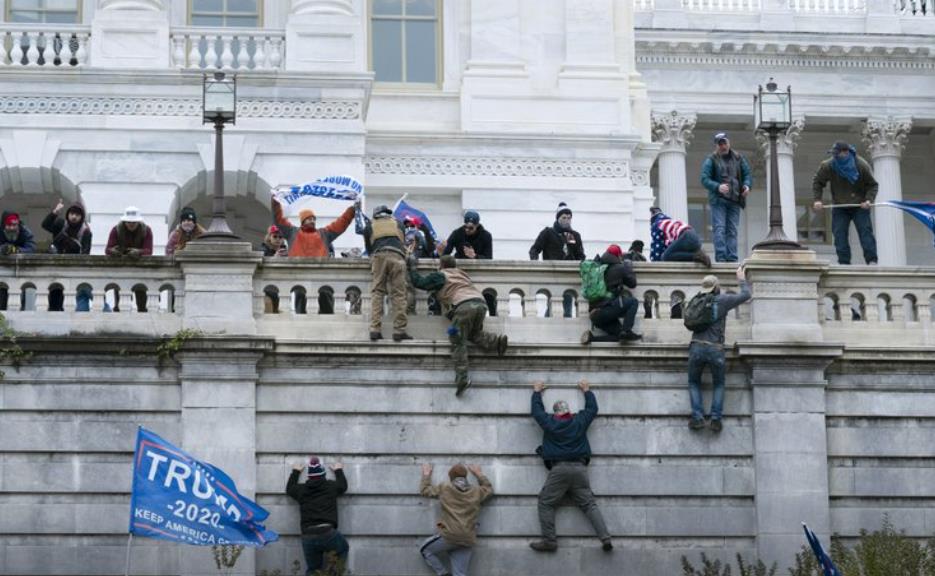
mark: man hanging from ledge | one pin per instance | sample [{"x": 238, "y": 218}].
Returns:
[
  {"x": 318, "y": 509},
  {"x": 464, "y": 305}
]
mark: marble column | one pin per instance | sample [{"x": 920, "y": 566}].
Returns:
[
  {"x": 673, "y": 131},
  {"x": 785, "y": 148},
  {"x": 885, "y": 138}
]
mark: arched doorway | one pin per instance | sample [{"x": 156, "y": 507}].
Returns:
[
  {"x": 247, "y": 199},
  {"x": 33, "y": 193}
]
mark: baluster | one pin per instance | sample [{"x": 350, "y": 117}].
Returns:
[
  {"x": 276, "y": 53},
  {"x": 16, "y": 54},
  {"x": 69, "y": 295},
  {"x": 227, "y": 57},
  {"x": 152, "y": 301},
  {"x": 46, "y": 52},
  {"x": 211, "y": 55},
  {"x": 259, "y": 56},
  {"x": 243, "y": 57},
  {"x": 42, "y": 300},
  {"x": 81, "y": 55},
  {"x": 66, "y": 54},
  {"x": 3, "y": 53},
  {"x": 194, "y": 53},
  {"x": 32, "y": 53},
  {"x": 178, "y": 51}
]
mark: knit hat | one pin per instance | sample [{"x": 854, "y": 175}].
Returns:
[
  {"x": 382, "y": 210},
  {"x": 562, "y": 209},
  {"x": 131, "y": 214},
  {"x": 471, "y": 216},
  {"x": 77, "y": 209},
  {"x": 457, "y": 471},
  {"x": 188, "y": 213},
  {"x": 560, "y": 407},
  {"x": 709, "y": 283},
  {"x": 615, "y": 250},
  {"x": 305, "y": 214},
  {"x": 636, "y": 246},
  {"x": 315, "y": 467},
  {"x": 11, "y": 218}
]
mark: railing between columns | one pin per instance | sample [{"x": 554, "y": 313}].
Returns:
[{"x": 227, "y": 49}]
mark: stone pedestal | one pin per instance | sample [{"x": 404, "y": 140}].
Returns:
[
  {"x": 886, "y": 137},
  {"x": 130, "y": 34},
  {"x": 785, "y": 298},
  {"x": 327, "y": 36},
  {"x": 674, "y": 132},
  {"x": 219, "y": 286}
]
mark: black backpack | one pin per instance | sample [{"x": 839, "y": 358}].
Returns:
[{"x": 700, "y": 312}]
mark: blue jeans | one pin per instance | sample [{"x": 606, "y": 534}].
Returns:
[
  {"x": 840, "y": 227},
  {"x": 607, "y": 318},
  {"x": 315, "y": 548},
  {"x": 725, "y": 217},
  {"x": 699, "y": 356},
  {"x": 683, "y": 248}
]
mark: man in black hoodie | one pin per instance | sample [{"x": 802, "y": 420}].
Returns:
[
  {"x": 607, "y": 313},
  {"x": 318, "y": 506},
  {"x": 71, "y": 234}
]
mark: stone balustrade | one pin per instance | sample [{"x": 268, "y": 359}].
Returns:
[
  {"x": 829, "y": 6},
  {"x": 227, "y": 49},
  {"x": 45, "y": 46}
]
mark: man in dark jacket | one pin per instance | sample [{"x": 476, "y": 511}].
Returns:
[
  {"x": 635, "y": 253},
  {"x": 383, "y": 238},
  {"x": 471, "y": 240},
  {"x": 131, "y": 237},
  {"x": 318, "y": 509},
  {"x": 16, "y": 237},
  {"x": 558, "y": 241},
  {"x": 566, "y": 452},
  {"x": 727, "y": 177},
  {"x": 607, "y": 313},
  {"x": 707, "y": 349},
  {"x": 852, "y": 182},
  {"x": 71, "y": 234}
]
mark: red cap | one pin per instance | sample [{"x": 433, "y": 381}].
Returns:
[
  {"x": 11, "y": 219},
  {"x": 416, "y": 221},
  {"x": 615, "y": 250},
  {"x": 273, "y": 230}
]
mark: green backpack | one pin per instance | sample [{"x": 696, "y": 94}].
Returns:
[
  {"x": 593, "y": 287},
  {"x": 700, "y": 312}
]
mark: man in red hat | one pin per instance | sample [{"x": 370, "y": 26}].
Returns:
[
  {"x": 16, "y": 238},
  {"x": 606, "y": 314}
]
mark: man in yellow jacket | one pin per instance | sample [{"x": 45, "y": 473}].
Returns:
[{"x": 457, "y": 525}]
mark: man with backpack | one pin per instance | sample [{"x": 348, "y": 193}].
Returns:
[
  {"x": 602, "y": 283},
  {"x": 706, "y": 316}
]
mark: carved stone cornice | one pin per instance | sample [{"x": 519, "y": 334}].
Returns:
[
  {"x": 495, "y": 166},
  {"x": 886, "y": 136},
  {"x": 673, "y": 130},
  {"x": 786, "y": 142},
  {"x": 117, "y": 106}
]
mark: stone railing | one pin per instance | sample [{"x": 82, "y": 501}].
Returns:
[
  {"x": 227, "y": 49},
  {"x": 721, "y": 5},
  {"x": 45, "y": 46},
  {"x": 920, "y": 8},
  {"x": 829, "y": 6}
]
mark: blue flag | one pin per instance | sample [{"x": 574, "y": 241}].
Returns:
[
  {"x": 924, "y": 212},
  {"x": 827, "y": 566},
  {"x": 178, "y": 498},
  {"x": 403, "y": 209},
  {"x": 334, "y": 187}
]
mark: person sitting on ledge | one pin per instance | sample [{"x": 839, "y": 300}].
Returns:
[
  {"x": 674, "y": 240},
  {"x": 606, "y": 314},
  {"x": 131, "y": 237}
]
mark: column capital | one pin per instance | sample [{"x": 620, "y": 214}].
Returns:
[
  {"x": 786, "y": 141},
  {"x": 673, "y": 130},
  {"x": 886, "y": 136}
]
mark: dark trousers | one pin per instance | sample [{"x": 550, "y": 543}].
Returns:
[
  {"x": 683, "y": 248},
  {"x": 841, "y": 219},
  {"x": 607, "y": 318},
  {"x": 315, "y": 547}
]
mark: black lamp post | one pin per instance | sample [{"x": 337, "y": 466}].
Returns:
[
  {"x": 220, "y": 108},
  {"x": 772, "y": 112}
]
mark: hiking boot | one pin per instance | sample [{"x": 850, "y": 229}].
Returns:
[
  {"x": 400, "y": 336},
  {"x": 374, "y": 336},
  {"x": 696, "y": 424},
  {"x": 544, "y": 545},
  {"x": 502, "y": 343},
  {"x": 462, "y": 386},
  {"x": 586, "y": 337},
  {"x": 630, "y": 336},
  {"x": 716, "y": 425},
  {"x": 703, "y": 258},
  {"x": 607, "y": 545}
]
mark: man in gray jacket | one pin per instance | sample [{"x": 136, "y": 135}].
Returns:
[{"x": 707, "y": 349}]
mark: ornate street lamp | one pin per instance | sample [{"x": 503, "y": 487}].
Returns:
[
  {"x": 220, "y": 108},
  {"x": 772, "y": 113}
]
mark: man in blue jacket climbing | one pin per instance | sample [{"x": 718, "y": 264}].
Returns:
[{"x": 566, "y": 453}]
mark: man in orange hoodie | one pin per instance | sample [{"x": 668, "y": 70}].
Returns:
[{"x": 307, "y": 240}]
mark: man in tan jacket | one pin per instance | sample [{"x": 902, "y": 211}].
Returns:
[{"x": 457, "y": 526}]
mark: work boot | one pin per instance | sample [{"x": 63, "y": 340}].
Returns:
[
  {"x": 586, "y": 337},
  {"x": 696, "y": 423},
  {"x": 544, "y": 545},
  {"x": 374, "y": 336},
  {"x": 502, "y": 343},
  {"x": 703, "y": 258},
  {"x": 630, "y": 336},
  {"x": 607, "y": 545},
  {"x": 462, "y": 386},
  {"x": 400, "y": 336},
  {"x": 716, "y": 425}
]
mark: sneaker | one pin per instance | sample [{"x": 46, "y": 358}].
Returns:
[
  {"x": 702, "y": 258},
  {"x": 586, "y": 337},
  {"x": 716, "y": 425},
  {"x": 696, "y": 424},
  {"x": 607, "y": 545},
  {"x": 462, "y": 386},
  {"x": 374, "y": 336},
  {"x": 630, "y": 336},
  {"x": 544, "y": 545},
  {"x": 502, "y": 343},
  {"x": 399, "y": 337}
]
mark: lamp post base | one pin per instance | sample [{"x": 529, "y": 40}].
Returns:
[
  {"x": 773, "y": 244},
  {"x": 219, "y": 230}
]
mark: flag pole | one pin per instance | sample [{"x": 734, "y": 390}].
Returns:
[
  {"x": 401, "y": 198},
  {"x": 853, "y": 205},
  {"x": 126, "y": 571}
]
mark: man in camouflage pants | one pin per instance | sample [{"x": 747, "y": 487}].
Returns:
[{"x": 464, "y": 305}]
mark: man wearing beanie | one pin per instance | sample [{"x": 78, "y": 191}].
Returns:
[
  {"x": 471, "y": 240},
  {"x": 318, "y": 509},
  {"x": 71, "y": 234},
  {"x": 307, "y": 240},
  {"x": 559, "y": 242},
  {"x": 187, "y": 230},
  {"x": 635, "y": 253},
  {"x": 456, "y": 527},
  {"x": 606, "y": 314},
  {"x": 16, "y": 237},
  {"x": 566, "y": 453},
  {"x": 383, "y": 238}
]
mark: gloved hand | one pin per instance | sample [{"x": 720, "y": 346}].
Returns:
[
  {"x": 9, "y": 249},
  {"x": 412, "y": 261},
  {"x": 133, "y": 253}
]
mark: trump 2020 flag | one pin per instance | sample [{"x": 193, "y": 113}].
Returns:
[
  {"x": 404, "y": 209},
  {"x": 924, "y": 212},
  {"x": 827, "y": 566},
  {"x": 176, "y": 497},
  {"x": 334, "y": 187}
]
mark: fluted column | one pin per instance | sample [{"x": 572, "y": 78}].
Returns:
[
  {"x": 886, "y": 137},
  {"x": 674, "y": 132},
  {"x": 785, "y": 144}
]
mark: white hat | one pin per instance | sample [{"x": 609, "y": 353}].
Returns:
[{"x": 131, "y": 214}]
